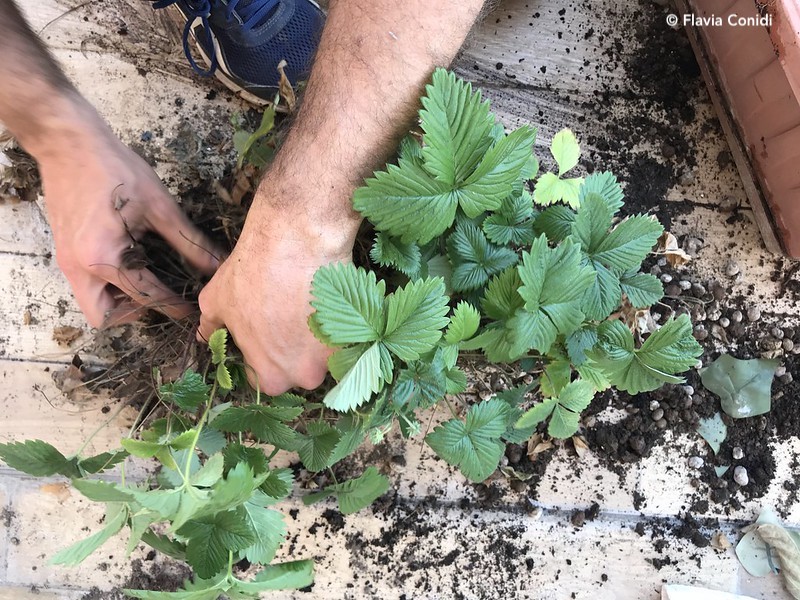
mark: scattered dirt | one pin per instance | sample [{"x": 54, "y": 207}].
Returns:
[{"x": 162, "y": 575}]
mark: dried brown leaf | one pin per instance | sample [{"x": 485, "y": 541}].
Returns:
[
  {"x": 66, "y": 334},
  {"x": 285, "y": 88},
  {"x": 581, "y": 447},
  {"x": 675, "y": 255}
]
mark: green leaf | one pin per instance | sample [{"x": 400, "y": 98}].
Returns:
[
  {"x": 670, "y": 350},
  {"x": 317, "y": 445},
  {"x": 713, "y": 430},
  {"x": 139, "y": 524},
  {"x": 209, "y": 473},
  {"x": 406, "y": 202},
  {"x": 37, "y": 458},
  {"x": 236, "y": 453},
  {"x": 349, "y": 303},
  {"x": 359, "y": 383},
  {"x": 165, "y": 545},
  {"x": 212, "y": 537},
  {"x": 555, "y": 222},
  {"x": 549, "y": 189},
  {"x": 142, "y": 449},
  {"x": 553, "y": 286},
  {"x": 210, "y": 441},
  {"x": 502, "y": 300},
  {"x": 743, "y": 386},
  {"x": 245, "y": 142},
  {"x": 504, "y": 230},
  {"x": 605, "y": 185},
  {"x": 457, "y": 126},
  {"x": 592, "y": 222},
  {"x": 410, "y": 148},
  {"x": 420, "y": 385},
  {"x": 74, "y": 555},
  {"x": 266, "y": 423},
  {"x": 628, "y": 243},
  {"x": 565, "y": 150},
  {"x": 603, "y": 296},
  {"x": 207, "y": 594},
  {"x": 278, "y": 484},
  {"x": 188, "y": 393},
  {"x": 498, "y": 173},
  {"x": 556, "y": 375},
  {"x": 474, "y": 446},
  {"x": 474, "y": 258},
  {"x": 344, "y": 359},
  {"x": 355, "y": 494},
  {"x": 101, "y": 462},
  {"x": 217, "y": 343},
  {"x": 352, "y": 435},
  {"x": 391, "y": 252},
  {"x": 282, "y": 576},
  {"x": 456, "y": 381},
  {"x": 415, "y": 316},
  {"x": 224, "y": 377},
  {"x": 463, "y": 324},
  {"x": 537, "y": 414},
  {"x": 268, "y": 528},
  {"x": 101, "y": 491},
  {"x": 579, "y": 342},
  {"x": 642, "y": 289}
]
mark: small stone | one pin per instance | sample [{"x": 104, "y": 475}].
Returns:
[
  {"x": 728, "y": 203},
  {"x": 732, "y": 268},
  {"x": 753, "y": 314},
  {"x": 685, "y": 284},
  {"x": 700, "y": 333},
  {"x": 686, "y": 178},
  {"x": 780, "y": 371},
  {"x": 661, "y": 423},
  {"x": 724, "y": 321},
  {"x": 720, "y": 495},
  {"x": 688, "y": 390},
  {"x": 654, "y": 405},
  {"x": 786, "y": 378},
  {"x": 514, "y": 452},
  {"x": 632, "y": 409},
  {"x": 796, "y": 349},
  {"x": 528, "y": 379},
  {"x": 686, "y": 402},
  {"x": 655, "y": 270},
  {"x": 667, "y": 151},
  {"x": 787, "y": 344},
  {"x": 718, "y": 291},
  {"x": 695, "y": 483},
  {"x": 518, "y": 486},
  {"x": 699, "y": 290},
  {"x": 714, "y": 314},
  {"x": 736, "y": 316},
  {"x": 672, "y": 290},
  {"x": 737, "y": 453},
  {"x": 694, "y": 245},
  {"x": 666, "y": 277},
  {"x": 695, "y": 462},
  {"x": 740, "y": 476},
  {"x": 657, "y": 414},
  {"x": 637, "y": 444},
  {"x": 777, "y": 333},
  {"x": 661, "y": 262},
  {"x": 578, "y": 518}
]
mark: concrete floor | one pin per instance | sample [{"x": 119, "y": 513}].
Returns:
[{"x": 543, "y": 555}]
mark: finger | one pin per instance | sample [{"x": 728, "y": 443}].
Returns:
[
  {"x": 93, "y": 297},
  {"x": 208, "y": 325},
  {"x": 146, "y": 289},
  {"x": 125, "y": 312},
  {"x": 170, "y": 222}
]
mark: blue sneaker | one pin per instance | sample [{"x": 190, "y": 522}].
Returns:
[{"x": 243, "y": 41}]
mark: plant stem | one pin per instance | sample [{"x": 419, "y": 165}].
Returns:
[{"x": 187, "y": 469}]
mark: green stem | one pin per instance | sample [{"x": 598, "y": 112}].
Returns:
[
  {"x": 333, "y": 476},
  {"x": 450, "y": 406},
  {"x": 188, "y": 467}
]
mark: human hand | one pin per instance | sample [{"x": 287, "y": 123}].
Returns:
[
  {"x": 101, "y": 198},
  {"x": 262, "y": 291}
]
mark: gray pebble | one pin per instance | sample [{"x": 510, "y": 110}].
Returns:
[
  {"x": 700, "y": 333},
  {"x": 688, "y": 390},
  {"x": 740, "y": 476},
  {"x": 661, "y": 423},
  {"x": 654, "y": 405},
  {"x": 718, "y": 291},
  {"x": 699, "y": 290},
  {"x": 780, "y": 371},
  {"x": 796, "y": 349},
  {"x": 686, "y": 178},
  {"x": 732, "y": 268},
  {"x": 714, "y": 314},
  {"x": 672, "y": 290},
  {"x": 753, "y": 314},
  {"x": 736, "y": 316},
  {"x": 693, "y": 245},
  {"x": 737, "y": 453},
  {"x": 667, "y": 151},
  {"x": 658, "y": 414},
  {"x": 786, "y": 378},
  {"x": 695, "y": 462},
  {"x": 685, "y": 284},
  {"x": 777, "y": 333},
  {"x": 661, "y": 262},
  {"x": 655, "y": 270},
  {"x": 632, "y": 409},
  {"x": 787, "y": 344},
  {"x": 666, "y": 277},
  {"x": 724, "y": 321}
]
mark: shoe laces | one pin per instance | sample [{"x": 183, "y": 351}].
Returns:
[{"x": 249, "y": 14}]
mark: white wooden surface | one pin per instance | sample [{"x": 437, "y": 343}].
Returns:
[{"x": 104, "y": 66}]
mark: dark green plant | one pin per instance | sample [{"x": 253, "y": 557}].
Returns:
[{"x": 481, "y": 265}]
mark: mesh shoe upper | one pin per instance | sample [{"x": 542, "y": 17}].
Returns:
[{"x": 250, "y": 37}]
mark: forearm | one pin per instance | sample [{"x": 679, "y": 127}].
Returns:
[
  {"x": 38, "y": 104},
  {"x": 373, "y": 61}
]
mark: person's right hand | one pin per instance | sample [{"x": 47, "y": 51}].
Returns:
[{"x": 101, "y": 198}]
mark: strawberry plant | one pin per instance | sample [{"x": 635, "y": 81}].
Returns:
[{"x": 476, "y": 263}]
